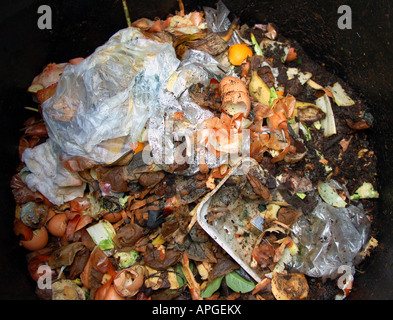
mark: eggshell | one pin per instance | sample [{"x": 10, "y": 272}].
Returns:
[
  {"x": 52, "y": 213},
  {"x": 38, "y": 242},
  {"x": 236, "y": 102},
  {"x": 229, "y": 84},
  {"x": 57, "y": 225},
  {"x": 127, "y": 282}
]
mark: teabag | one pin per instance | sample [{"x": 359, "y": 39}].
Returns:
[
  {"x": 103, "y": 103},
  {"x": 330, "y": 238}
]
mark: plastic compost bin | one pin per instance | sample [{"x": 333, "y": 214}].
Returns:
[{"x": 360, "y": 52}]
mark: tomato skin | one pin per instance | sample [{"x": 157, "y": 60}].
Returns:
[{"x": 139, "y": 147}]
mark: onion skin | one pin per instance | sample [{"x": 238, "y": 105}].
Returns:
[
  {"x": 85, "y": 275},
  {"x": 112, "y": 217},
  {"x": 107, "y": 292},
  {"x": 111, "y": 294}
]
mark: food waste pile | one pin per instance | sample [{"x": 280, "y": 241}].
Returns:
[{"x": 195, "y": 157}]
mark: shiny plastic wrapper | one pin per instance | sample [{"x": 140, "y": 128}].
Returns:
[
  {"x": 196, "y": 67},
  {"x": 217, "y": 20},
  {"x": 330, "y": 238}
]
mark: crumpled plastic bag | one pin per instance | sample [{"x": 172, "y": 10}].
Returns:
[
  {"x": 217, "y": 21},
  {"x": 330, "y": 237},
  {"x": 196, "y": 67},
  {"x": 102, "y": 104},
  {"x": 48, "y": 176}
]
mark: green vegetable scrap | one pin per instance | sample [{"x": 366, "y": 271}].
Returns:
[
  {"x": 238, "y": 284},
  {"x": 126, "y": 259},
  {"x": 273, "y": 96},
  {"x": 366, "y": 191},
  {"x": 257, "y": 47},
  {"x": 306, "y": 131},
  {"x": 102, "y": 234},
  {"x": 212, "y": 287},
  {"x": 330, "y": 196}
]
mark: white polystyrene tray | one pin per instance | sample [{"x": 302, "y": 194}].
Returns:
[{"x": 215, "y": 233}]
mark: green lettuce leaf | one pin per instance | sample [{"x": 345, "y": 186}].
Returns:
[{"x": 237, "y": 283}]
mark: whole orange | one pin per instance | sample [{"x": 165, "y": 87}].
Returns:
[{"x": 238, "y": 52}]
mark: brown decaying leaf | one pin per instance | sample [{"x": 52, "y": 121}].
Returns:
[{"x": 259, "y": 188}]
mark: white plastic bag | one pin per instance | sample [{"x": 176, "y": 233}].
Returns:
[
  {"x": 48, "y": 176},
  {"x": 102, "y": 104}
]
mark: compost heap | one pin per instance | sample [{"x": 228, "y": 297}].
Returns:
[{"x": 129, "y": 140}]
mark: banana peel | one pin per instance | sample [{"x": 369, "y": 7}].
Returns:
[
  {"x": 258, "y": 89},
  {"x": 186, "y": 41},
  {"x": 227, "y": 35},
  {"x": 182, "y": 43},
  {"x": 303, "y": 105},
  {"x": 308, "y": 112}
]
